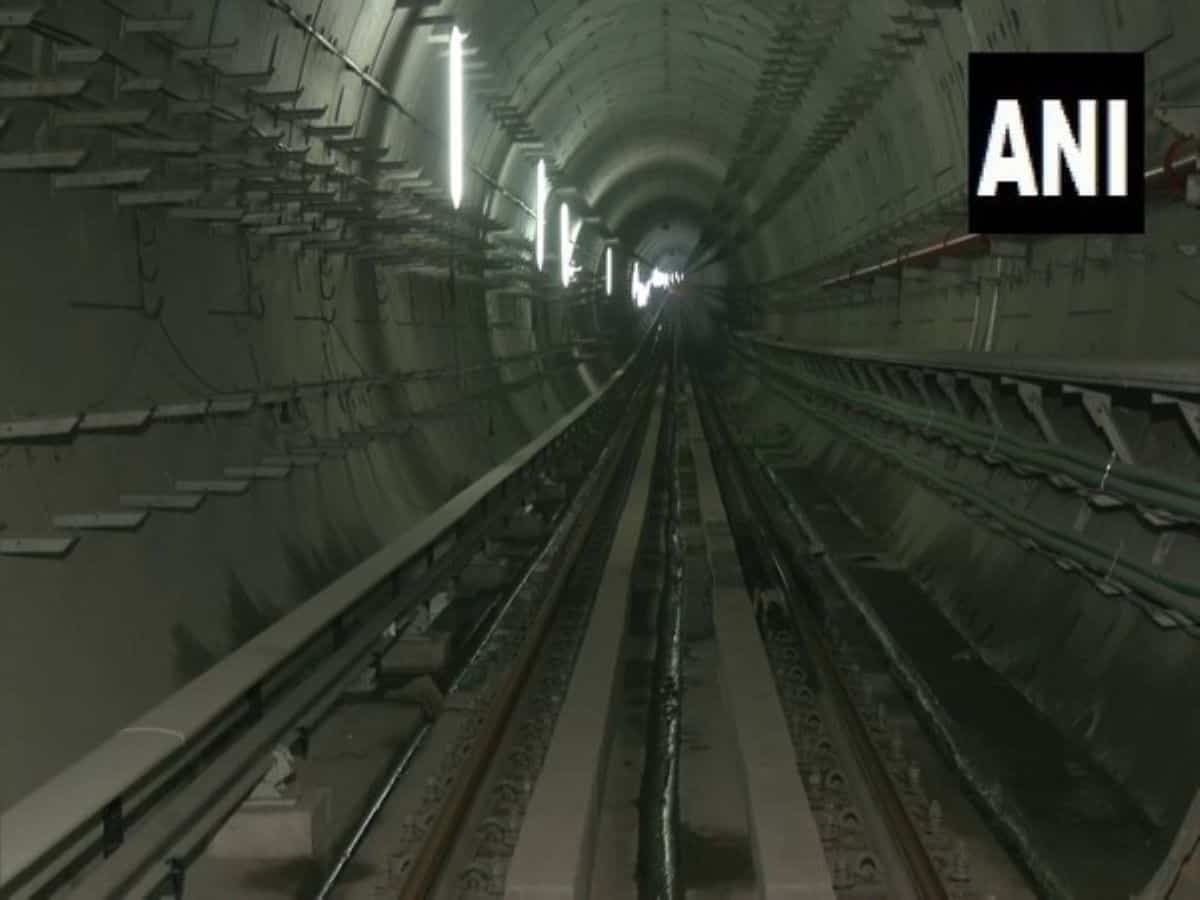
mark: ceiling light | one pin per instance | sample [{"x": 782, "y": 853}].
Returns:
[
  {"x": 543, "y": 196},
  {"x": 456, "y": 116}
]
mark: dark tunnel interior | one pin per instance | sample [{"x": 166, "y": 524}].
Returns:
[{"x": 283, "y": 282}]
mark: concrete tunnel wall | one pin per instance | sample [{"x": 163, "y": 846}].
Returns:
[
  {"x": 91, "y": 641},
  {"x": 1103, "y": 672},
  {"x": 648, "y": 110},
  {"x": 1132, "y": 297}
]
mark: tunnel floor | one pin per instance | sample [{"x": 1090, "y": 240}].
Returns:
[{"x": 1084, "y": 834}]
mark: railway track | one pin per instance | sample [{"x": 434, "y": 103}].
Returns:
[
  {"x": 639, "y": 694},
  {"x": 879, "y": 830},
  {"x": 137, "y": 817}
]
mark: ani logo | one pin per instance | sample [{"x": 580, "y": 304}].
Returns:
[{"x": 1056, "y": 143}]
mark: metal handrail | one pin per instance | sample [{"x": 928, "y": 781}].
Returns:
[
  {"x": 57, "y": 817},
  {"x": 1154, "y": 492}
]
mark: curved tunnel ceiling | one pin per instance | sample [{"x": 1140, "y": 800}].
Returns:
[{"x": 624, "y": 91}]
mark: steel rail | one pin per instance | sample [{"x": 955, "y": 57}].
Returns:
[
  {"x": 426, "y": 869},
  {"x": 750, "y": 513},
  {"x": 86, "y": 810}
]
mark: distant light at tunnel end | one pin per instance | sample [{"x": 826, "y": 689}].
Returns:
[
  {"x": 608, "y": 271},
  {"x": 658, "y": 279}
]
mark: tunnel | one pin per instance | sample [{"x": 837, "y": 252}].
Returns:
[{"x": 622, "y": 383}]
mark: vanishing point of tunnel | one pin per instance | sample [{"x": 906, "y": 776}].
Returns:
[{"x": 617, "y": 449}]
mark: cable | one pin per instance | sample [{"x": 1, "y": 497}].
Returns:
[
  {"x": 120, "y": 381},
  {"x": 327, "y": 296},
  {"x": 362, "y": 370},
  {"x": 208, "y": 385}
]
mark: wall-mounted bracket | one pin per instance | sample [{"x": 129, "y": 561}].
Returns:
[
  {"x": 102, "y": 118},
  {"x": 21, "y": 16},
  {"x": 1067, "y": 565},
  {"x": 258, "y": 473},
  {"x": 1182, "y": 118},
  {"x": 300, "y": 113},
  {"x": 1082, "y": 517},
  {"x": 916, "y": 378},
  {"x": 1099, "y": 409},
  {"x": 296, "y": 461},
  {"x": 139, "y": 85},
  {"x": 1031, "y": 397},
  {"x": 157, "y": 146},
  {"x": 165, "y": 197},
  {"x": 163, "y": 502},
  {"x": 207, "y": 213},
  {"x": 949, "y": 386},
  {"x": 101, "y": 521},
  {"x": 226, "y": 487},
  {"x": 127, "y": 420},
  {"x": 175, "y": 412},
  {"x": 982, "y": 389},
  {"x": 1162, "y": 548},
  {"x": 881, "y": 376},
  {"x": 100, "y": 179},
  {"x": 39, "y": 429},
  {"x": 153, "y": 25},
  {"x": 42, "y": 160},
  {"x": 1189, "y": 410},
  {"x": 203, "y": 52},
  {"x": 226, "y": 406},
  {"x": 46, "y": 547}
]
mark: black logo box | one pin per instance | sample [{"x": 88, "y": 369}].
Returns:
[{"x": 1031, "y": 78}]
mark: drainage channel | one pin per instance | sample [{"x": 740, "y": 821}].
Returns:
[
  {"x": 673, "y": 819},
  {"x": 658, "y": 858}
]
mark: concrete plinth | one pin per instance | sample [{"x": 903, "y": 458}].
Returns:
[
  {"x": 288, "y": 828},
  {"x": 416, "y": 655},
  {"x": 525, "y": 527},
  {"x": 482, "y": 574}
]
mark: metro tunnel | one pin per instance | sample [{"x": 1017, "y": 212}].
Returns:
[{"x": 546, "y": 449}]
